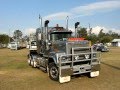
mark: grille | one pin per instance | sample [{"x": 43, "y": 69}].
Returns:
[{"x": 82, "y": 53}]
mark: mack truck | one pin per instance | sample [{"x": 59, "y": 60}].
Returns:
[{"x": 61, "y": 55}]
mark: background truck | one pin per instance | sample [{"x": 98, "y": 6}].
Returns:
[
  {"x": 15, "y": 46},
  {"x": 62, "y": 55}
]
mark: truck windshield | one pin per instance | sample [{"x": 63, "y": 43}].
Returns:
[{"x": 60, "y": 36}]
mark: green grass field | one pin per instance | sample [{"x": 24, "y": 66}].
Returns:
[{"x": 16, "y": 74}]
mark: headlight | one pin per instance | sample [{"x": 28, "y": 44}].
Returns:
[
  {"x": 81, "y": 57},
  {"x": 87, "y": 56},
  {"x": 94, "y": 55},
  {"x": 77, "y": 58},
  {"x": 65, "y": 58}
]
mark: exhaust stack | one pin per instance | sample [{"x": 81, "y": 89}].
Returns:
[
  {"x": 46, "y": 33},
  {"x": 67, "y": 18},
  {"x": 76, "y": 27}
]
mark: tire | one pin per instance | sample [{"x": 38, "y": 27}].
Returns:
[{"x": 53, "y": 72}]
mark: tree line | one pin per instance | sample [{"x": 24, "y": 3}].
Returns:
[
  {"x": 17, "y": 35},
  {"x": 102, "y": 37}
]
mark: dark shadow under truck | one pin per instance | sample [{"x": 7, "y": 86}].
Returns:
[{"x": 62, "y": 56}]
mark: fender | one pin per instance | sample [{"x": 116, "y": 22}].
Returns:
[{"x": 53, "y": 58}]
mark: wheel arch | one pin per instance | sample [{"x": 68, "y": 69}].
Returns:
[{"x": 51, "y": 60}]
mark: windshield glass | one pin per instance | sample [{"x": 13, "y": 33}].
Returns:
[{"x": 60, "y": 36}]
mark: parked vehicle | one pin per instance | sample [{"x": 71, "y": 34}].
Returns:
[
  {"x": 9, "y": 45},
  {"x": 62, "y": 55},
  {"x": 101, "y": 48},
  {"x": 15, "y": 46}
]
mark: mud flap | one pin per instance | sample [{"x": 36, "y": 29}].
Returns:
[
  {"x": 65, "y": 75},
  {"x": 64, "y": 79},
  {"x": 94, "y": 74}
]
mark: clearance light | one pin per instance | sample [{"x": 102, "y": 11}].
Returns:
[{"x": 76, "y": 39}]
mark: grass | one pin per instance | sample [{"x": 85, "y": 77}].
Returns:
[
  {"x": 12, "y": 59},
  {"x": 112, "y": 57}
]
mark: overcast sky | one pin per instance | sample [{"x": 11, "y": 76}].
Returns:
[{"x": 24, "y": 14}]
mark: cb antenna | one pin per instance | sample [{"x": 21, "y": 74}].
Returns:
[
  {"x": 90, "y": 29},
  {"x": 67, "y": 18}
]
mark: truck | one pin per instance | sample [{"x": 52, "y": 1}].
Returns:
[
  {"x": 15, "y": 46},
  {"x": 61, "y": 55}
]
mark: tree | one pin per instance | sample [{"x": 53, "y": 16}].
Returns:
[
  {"x": 115, "y": 35},
  {"x": 93, "y": 38},
  {"x": 26, "y": 38},
  {"x": 17, "y": 34},
  {"x": 101, "y": 33},
  {"x": 106, "y": 39},
  {"x": 82, "y": 32},
  {"x": 90, "y": 31},
  {"x": 4, "y": 39}
]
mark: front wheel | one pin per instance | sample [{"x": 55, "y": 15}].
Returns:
[{"x": 53, "y": 72}]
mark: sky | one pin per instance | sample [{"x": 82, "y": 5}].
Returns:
[{"x": 24, "y": 14}]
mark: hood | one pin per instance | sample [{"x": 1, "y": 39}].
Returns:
[{"x": 66, "y": 46}]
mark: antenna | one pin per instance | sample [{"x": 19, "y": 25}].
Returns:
[
  {"x": 90, "y": 29},
  {"x": 67, "y": 18},
  {"x": 40, "y": 20}
]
